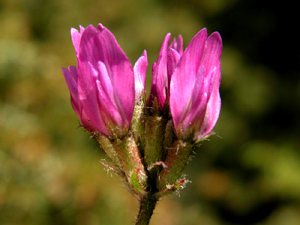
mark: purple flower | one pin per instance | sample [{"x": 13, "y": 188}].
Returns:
[
  {"x": 194, "y": 88},
  {"x": 102, "y": 88},
  {"x": 163, "y": 69}
]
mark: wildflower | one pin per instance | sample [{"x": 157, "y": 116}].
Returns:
[
  {"x": 194, "y": 89},
  {"x": 102, "y": 87},
  {"x": 148, "y": 141}
]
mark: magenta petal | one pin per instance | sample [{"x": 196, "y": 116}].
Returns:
[
  {"x": 160, "y": 75},
  {"x": 200, "y": 99},
  {"x": 173, "y": 58},
  {"x": 88, "y": 96},
  {"x": 212, "y": 112},
  {"x": 121, "y": 73},
  {"x": 71, "y": 80},
  {"x": 89, "y": 51},
  {"x": 212, "y": 52},
  {"x": 107, "y": 103},
  {"x": 76, "y": 36},
  {"x": 211, "y": 60},
  {"x": 140, "y": 71},
  {"x": 183, "y": 79},
  {"x": 198, "y": 102},
  {"x": 177, "y": 44}
]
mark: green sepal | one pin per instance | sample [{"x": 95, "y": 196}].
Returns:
[
  {"x": 130, "y": 157},
  {"x": 138, "y": 122},
  {"x": 154, "y": 138},
  {"x": 177, "y": 157},
  {"x": 136, "y": 184},
  {"x": 106, "y": 144}
]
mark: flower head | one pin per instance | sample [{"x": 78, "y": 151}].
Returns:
[
  {"x": 194, "y": 89},
  {"x": 108, "y": 95},
  {"x": 102, "y": 88}
]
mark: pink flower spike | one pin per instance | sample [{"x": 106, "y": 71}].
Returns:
[
  {"x": 183, "y": 79},
  {"x": 104, "y": 81},
  {"x": 194, "y": 89}
]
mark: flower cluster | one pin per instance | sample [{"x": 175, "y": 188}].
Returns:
[{"x": 148, "y": 140}]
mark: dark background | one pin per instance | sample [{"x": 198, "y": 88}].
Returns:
[{"x": 249, "y": 173}]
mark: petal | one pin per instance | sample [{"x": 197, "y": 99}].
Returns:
[
  {"x": 76, "y": 36},
  {"x": 71, "y": 80},
  {"x": 177, "y": 44},
  {"x": 183, "y": 79},
  {"x": 212, "y": 52},
  {"x": 212, "y": 112},
  {"x": 173, "y": 58},
  {"x": 140, "y": 71},
  {"x": 88, "y": 96},
  {"x": 106, "y": 98},
  {"x": 121, "y": 72},
  {"x": 211, "y": 60},
  {"x": 160, "y": 75},
  {"x": 87, "y": 124},
  {"x": 201, "y": 92},
  {"x": 89, "y": 51}
]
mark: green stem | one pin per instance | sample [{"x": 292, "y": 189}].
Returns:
[{"x": 147, "y": 205}]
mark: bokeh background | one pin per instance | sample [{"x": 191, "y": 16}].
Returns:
[{"x": 249, "y": 173}]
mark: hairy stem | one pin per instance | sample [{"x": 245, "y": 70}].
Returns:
[{"x": 147, "y": 205}]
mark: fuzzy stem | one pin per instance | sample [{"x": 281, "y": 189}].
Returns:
[{"x": 147, "y": 205}]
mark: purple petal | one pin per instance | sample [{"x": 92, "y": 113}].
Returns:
[
  {"x": 212, "y": 52},
  {"x": 140, "y": 71},
  {"x": 89, "y": 51},
  {"x": 183, "y": 79},
  {"x": 160, "y": 75},
  {"x": 211, "y": 60},
  {"x": 121, "y": 73},
  {"x": 88, "y": 96},
  {"x": 107, "y": 104},
  {"x": 173, "y": 58},
  {"x": 87, "y": 124},
  {"x": 76, "y": 36},
  {"x": 177, "y": 44},
  {"x": 212, "y": 111},
  {"x": 201, "y": 92},
  {"x": 71, "y": 80}
]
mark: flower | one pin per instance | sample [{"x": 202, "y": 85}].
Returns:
[
  {"x": 108, "y": 95},
  {"x": 102, "y": 88},
  {"x": 163, "y": 69},
  {"x": 195, "y": 101}
]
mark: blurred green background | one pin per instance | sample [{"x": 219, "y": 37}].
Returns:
[{"x": 249, "y": 173}]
